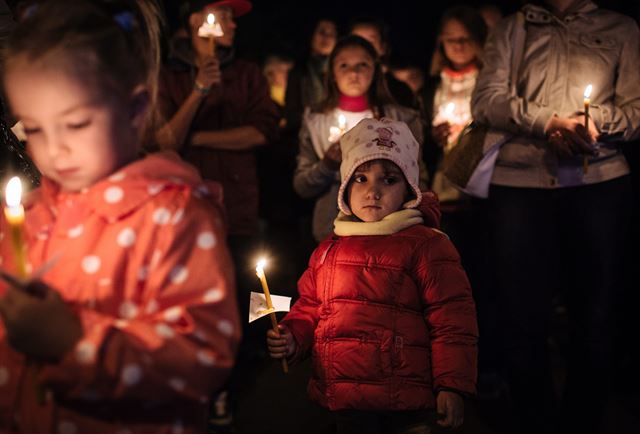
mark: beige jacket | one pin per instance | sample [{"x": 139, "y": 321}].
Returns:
[{"x": 561, "y": 57}]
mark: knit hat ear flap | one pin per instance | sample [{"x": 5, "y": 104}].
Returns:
[{"x": 373, "y": 139}]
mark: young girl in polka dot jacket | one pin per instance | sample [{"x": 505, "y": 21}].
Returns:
[{"x": 129, "y": 322}]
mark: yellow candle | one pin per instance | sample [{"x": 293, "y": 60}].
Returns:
[
  {"x": 267, "y": 295},
  {"x": 14, "y": 214},
  {"x": 587, "y": 102}
]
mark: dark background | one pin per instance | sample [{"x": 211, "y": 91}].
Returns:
[{"x": 285, "y": 26}]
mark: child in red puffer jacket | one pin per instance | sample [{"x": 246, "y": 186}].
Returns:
[{"x": 385, "y": 307}]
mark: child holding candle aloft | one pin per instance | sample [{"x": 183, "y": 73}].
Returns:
[
  {"x": 355, "y": 89},
  {"x": 385, "y": 308},
  {"x": 555, "y": 226},
  {"x": 135, "y": 298}
]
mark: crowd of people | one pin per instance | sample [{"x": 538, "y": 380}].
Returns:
[{"x": 160, "y": 163}]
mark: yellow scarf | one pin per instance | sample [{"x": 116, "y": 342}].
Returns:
[{"x": 346, "y": 225}]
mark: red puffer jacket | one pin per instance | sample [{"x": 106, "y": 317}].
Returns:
[{"x": 389, "y": 320}]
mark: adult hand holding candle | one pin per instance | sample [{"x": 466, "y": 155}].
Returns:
[
  {"x": 14, "y": 214},
  {"x": 587, "y": 102},
  {"x": 265, "y": 287}
]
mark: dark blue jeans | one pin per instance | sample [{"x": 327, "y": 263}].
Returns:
[{"x": 545, "y": 242}]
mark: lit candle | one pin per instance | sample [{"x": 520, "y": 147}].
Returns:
[
  {"x": 587, "y": 102},
  {"x": 267, "y": 295},
  {"x": 448, "y": 111},
  {"x": 342, "y": 124},
  {"x": 210, "y": 29},
  {"x": 14, "y": 214}
]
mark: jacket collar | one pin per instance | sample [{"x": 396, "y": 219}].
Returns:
[
  {"x": 114, "y": 197},
  {"x": 539, "y": 14}
]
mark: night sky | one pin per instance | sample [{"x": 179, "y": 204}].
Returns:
[{"x": 284, "y": 26}]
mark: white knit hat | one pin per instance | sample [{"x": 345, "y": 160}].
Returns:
[{"x": 373, "y": 139}]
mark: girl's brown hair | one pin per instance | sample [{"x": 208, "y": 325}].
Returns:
[
  {"x": 471, "y": 20},
  {"x": 378, "y": 93},
  {"x": 111, "y": 44}
]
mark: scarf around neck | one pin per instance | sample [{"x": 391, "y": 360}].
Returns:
[{"x": 349, "y": 225}]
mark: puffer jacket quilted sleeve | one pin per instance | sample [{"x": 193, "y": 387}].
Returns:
[
  {"x": 303, "y": 317},
  {"x": 450, "y": 316}
]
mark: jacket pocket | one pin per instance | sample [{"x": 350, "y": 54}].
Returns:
[{"x": 596, "y": 41}]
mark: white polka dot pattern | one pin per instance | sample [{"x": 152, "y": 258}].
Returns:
[
  {"x": 86, "y": 352},
  {"x": 206, "y": 240},
  {"x": 143, "y": 272},
  {"x": 213, "y": 295},
  {"x": 161, "y": 216},
  {"x": 113, "y": 194},
  {"x": 91, "y": 264},
  {"x": 128, "y": 310},
  {"x": 206, "y": 357},
  {"x": 116, "y": 177},
  {"x": 154, "y": 189},
  {"x": 164, "y": 331},
  {"x": 173, "y": 314},
  {"x": 152, "y": 307},
  {"x": 178, "y": 216},
  {"x": 131, "y": 374},
  {"x": 126, "y": 238},
  {"x": 178, "y": 274},
  {"x": 225, "y": 327},
  {"x": 75, "y": 232}
]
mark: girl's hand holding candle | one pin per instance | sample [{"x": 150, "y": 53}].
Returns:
[{"x": 265, "y": 287}]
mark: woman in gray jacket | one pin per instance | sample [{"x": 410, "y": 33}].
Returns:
[
  {"x": 355, "y": 90},
  {"x": 560, "y": 196}
]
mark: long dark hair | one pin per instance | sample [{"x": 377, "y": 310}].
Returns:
[
  {"x": 378, "y": 93},
  {"x": 114, "y": 44}
]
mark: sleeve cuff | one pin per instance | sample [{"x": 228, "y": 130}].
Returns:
[{"x": 540, "y": 121}]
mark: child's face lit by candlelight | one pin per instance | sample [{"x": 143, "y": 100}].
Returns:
[
  {"x": 377, "y": 189},
  {"x": 353, "y": 70},
  {"x": 76, "y": 134},
  {"x": 459, "y": 46}
]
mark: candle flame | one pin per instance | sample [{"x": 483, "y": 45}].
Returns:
[
  {"x": 13, "y": 193},
  {"x": 260, "y": 266},
  {"x": 342, "y": 121},
  {"x": 587, "y": 91},
  {"x": 211, "y": 19}
]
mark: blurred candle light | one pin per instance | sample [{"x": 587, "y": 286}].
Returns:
[{"x": 14, "y": 214}]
